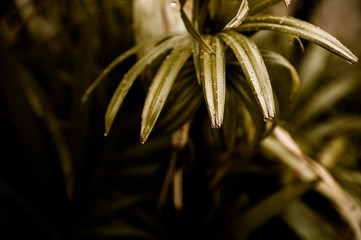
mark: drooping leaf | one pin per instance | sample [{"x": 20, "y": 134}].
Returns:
[
  {"x": 214, "y": 81},
  {"x": 324, "y": 99},
  {"x": 277, "y": 59},
  {"x": 272, "y": 206},
  {"x": 160, "y": 88},
  {"x": 118, "y": 60},
  {"x": 299, "y": 28},
  {"x": 129, "y": 78},
  {"x": 240, "y": 16},
  {"x": 254, "y": 69},
  {"x": 195, "y": 33}
]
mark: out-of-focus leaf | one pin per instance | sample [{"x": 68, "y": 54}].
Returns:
[
  {"x": 118, "y": 60},
  {"x": 325, "y": 98},
  {"x": 240, "y": 16},
  {"x": 311, "y": 225},
  {"x": 272, "y": 206},
  {"x": 241, "y": 86},
  {"x": 129, "y": 78},
  {"x": 299, "y": 28},
  {"x": 254, "y": 69},
  {"x": 160, "y": 88},
  {"x": 214, "y": 81},
  {"x": 8, "y": 192},
  {"x": 195, "y": 33},
  {"x": 334, "y": 127},
  {"x": 277, "y": 59},
  {"x": 258, "y": 6}
]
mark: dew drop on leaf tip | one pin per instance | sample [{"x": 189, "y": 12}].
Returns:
[{"x": 173, "y": 4}]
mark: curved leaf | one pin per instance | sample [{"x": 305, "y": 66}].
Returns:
[
  {"x": 254, "y": 69},
  {"x": 160, "y": 88},
  {"x": 118, "y": 60},
  {"x": 277, "y": 59},
  {"x": 240, "y": 16},
  {"x": 299, "y": 28},
  {"x": 195, "y": 33},
  {"x": 213, "y": 80},
  {"x": 129, "y": 78}
]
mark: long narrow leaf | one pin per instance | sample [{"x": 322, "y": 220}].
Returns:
[
  {"x": 213, "y": 80},
  {"x": 117, "y": 61},
  {"x": 130, "y": 77},
  {"x": 254, "y": 69},
  {"x": 160, "y": 88},
  {"x": 299, "y": 28},
  {"x": 195, "y": 33}
]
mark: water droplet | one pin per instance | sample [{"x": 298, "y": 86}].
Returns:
[
  {"x": 173, "y": 4},
  {"x": 105, "y": 134}
]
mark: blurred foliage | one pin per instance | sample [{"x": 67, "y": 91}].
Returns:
[{"x": 60, "y": 178}]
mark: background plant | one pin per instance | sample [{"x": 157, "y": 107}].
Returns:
[{"x": 62, "y": 179}]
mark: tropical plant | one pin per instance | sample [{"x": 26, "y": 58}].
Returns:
[{"x": 237, "y": 145}]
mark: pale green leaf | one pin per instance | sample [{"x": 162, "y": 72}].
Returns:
[
  {"x": 214, "y": 81},
  {"x": 240, "y": 16},
  {"x": 129, "y": 78},
  {"x": 299, "y": 28},
  {"x": 277, "y": 59},
  {"x": 195, "y": 33},
  {"x": 120, "y": 59},
  {"x": 160, "y": 88},
  {"x": 254, "y": 69}
]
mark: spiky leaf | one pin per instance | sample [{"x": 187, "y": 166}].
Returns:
[
  {"x": 254, "y": 69},
  {"x": 129, "y": 78},
  {"x": 214, "y": 81}
]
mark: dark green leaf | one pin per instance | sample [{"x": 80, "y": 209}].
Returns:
[
  {"x": 258, "y": 6},
  {"x": 277, "y": 59}
]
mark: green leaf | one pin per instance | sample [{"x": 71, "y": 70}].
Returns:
[
  {"x": 258, "y": 6},
  {"x": 120, "y": 59},
  {"x": 214, "y": 81},
  {"x": 240, "y": 16},
  {"x": 129, "y": 78},
  {"x": 277, "y": 59},
  {"x": 195, "y": 33},
  {"x": 299, "y": 28},
  {"x": 160, "y": 88},
  {"x": 254, "y": 69},
  {"x": 324, "y": 99},
  {"x": 272, "y": 206}
]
